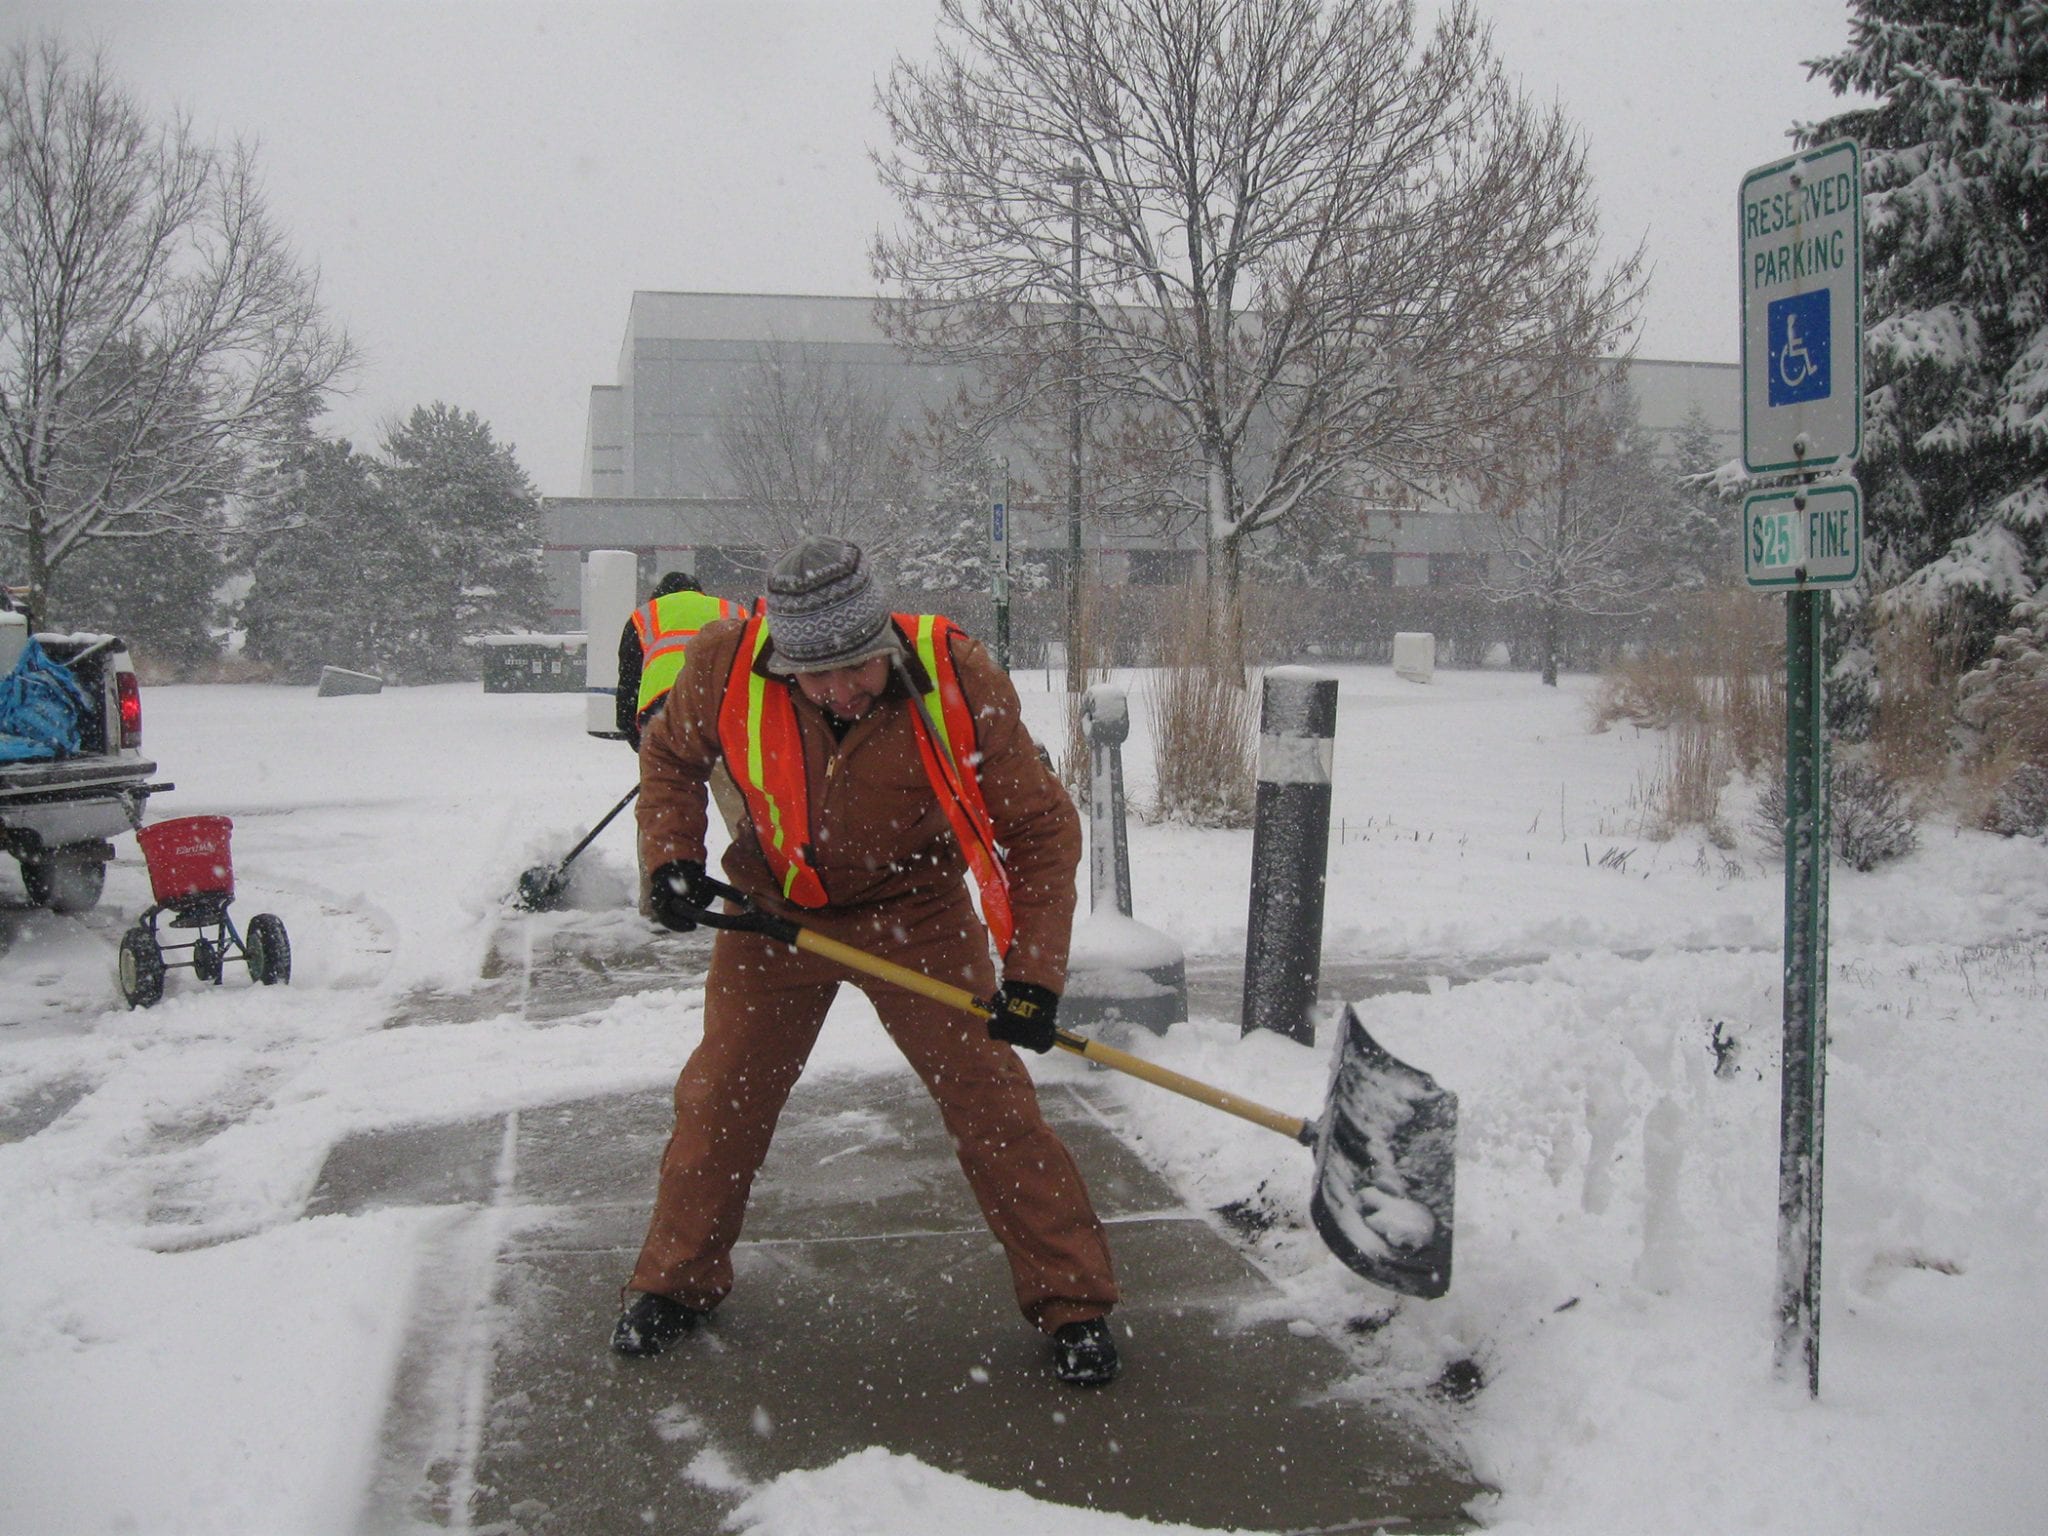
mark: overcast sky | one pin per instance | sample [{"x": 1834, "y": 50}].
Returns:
[{"x": 483, "y": 183}]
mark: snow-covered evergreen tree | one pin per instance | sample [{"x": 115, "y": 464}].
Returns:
[
  {"x": 477, "y": 518},
  {"x": 938, "y": 477},
  {"x": 1955, "y": 164},
  {"x": 388, "y": 563},
  {"x": 1706, "y": 536},
  {"x": 160, "y": 594},
  {"x": 322, "y": 589}
]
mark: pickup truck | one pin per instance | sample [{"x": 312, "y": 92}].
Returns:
[{"x": 56, "y": 815}]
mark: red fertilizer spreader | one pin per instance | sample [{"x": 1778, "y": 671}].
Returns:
[{"x": 192, "y": 881}]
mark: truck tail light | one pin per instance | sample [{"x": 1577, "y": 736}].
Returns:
[{"x": 130, "y": 695}]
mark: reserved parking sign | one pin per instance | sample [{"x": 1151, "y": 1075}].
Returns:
[{"x": 1802, "y": 311}]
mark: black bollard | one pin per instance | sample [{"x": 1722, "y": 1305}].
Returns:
[{"x": 1283, "y": 956}]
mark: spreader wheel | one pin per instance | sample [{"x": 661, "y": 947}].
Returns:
[
  {"x": 141, "y": 968},
  {"x": 206, "y": 959},
  {"x": 269, "y": 949}
]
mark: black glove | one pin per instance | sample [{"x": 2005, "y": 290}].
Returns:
[
  {"x": 1023, "y": 1015},
  {"x": 677, "y": 892}
]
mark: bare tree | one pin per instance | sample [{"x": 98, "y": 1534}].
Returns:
[
  {"x": 810, "y": 448},
  {"x": 1313, "y": 256},
  {"x": 1582, "y": 504},
  {"x": 156, "y": 333}
]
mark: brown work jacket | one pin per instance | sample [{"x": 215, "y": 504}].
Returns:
[{"x": 878, "y": 837}]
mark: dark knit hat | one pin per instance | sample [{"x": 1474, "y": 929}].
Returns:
[{"x": 823, "y": 609}]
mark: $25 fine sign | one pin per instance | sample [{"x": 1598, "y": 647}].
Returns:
[{"x": 1809, "y": 536}]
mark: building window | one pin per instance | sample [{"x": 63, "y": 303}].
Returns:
[
  {"x": 1457, "y": 570},
  {"x": 732, "y": 568},
  {"x": 1161, "y": 567}
]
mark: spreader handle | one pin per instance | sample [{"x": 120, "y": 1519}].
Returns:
[{"x": 1291, "y": 1126}]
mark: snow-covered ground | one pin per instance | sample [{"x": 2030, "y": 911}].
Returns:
[{"x": 182, "y": 1351}]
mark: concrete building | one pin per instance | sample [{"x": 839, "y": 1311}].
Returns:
[{"x": 653, "y": 481}]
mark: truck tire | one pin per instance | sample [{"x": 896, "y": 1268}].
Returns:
[{"x": 67, "y": 879}]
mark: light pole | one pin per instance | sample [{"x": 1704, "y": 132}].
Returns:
[
  {"x": 999, "y": 556},
  {"x": 1075, "y": 176}
]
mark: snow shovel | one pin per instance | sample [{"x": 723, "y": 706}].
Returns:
[
  {"x": 1385, "y": 1145},
  {"x": 542, "y": 887}
]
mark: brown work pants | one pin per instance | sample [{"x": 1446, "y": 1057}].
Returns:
[{"x": 764, "y": 1004}]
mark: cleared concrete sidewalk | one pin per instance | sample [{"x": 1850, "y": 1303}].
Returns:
[{"x": 872, "y": 1309}]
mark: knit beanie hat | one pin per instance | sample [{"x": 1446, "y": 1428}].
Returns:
[{"x": 823, "y": 609}]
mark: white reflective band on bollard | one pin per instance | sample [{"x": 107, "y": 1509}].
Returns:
[{"x": 1296, "y": 759}]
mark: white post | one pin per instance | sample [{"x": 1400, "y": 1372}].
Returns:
[
  {"x": 610, "y": 594},
  {"x": 1106, "y": 720}
]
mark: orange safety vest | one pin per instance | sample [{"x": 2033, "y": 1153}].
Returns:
[
  {"x": 666, "y": 626},
  {"x": 757, "y": 731}
]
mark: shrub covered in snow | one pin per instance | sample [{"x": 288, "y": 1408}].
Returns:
[
  {"x": 1871, "y": 818},
  {"x": 2019, "y": 806},
  {"x": 2006, "y": 702}
]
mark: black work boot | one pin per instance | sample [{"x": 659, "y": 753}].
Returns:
[
  {"x": 651, "y": 1323},
  {"x": 1084, "y": 1354}
]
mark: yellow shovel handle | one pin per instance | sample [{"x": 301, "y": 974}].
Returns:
[{"x": 1291, "y": 1126}]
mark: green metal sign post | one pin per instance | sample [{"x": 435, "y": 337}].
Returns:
[
  {"x": 1804, "y": 1071},
  {"x": 1801, "y": 223}
]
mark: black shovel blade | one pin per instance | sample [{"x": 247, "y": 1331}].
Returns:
[
  {"x": 1386, "y": 1165},
  {"x": 542, "y": 888}
]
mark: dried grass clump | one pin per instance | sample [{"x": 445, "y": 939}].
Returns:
[
  {"x": 1916, "y": 701},
  {"x": 1747, "y": 638},
  {"x": 2005, "y": 782},
  {"x": 1720, "y": 696},
  {"x": 1204, "y": 722},
  {"x": 1652, "y": 691},
  {"x": 1687, "y": 790}
]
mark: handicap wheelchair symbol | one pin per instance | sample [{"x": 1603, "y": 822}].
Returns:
[
  {"x": 1795, "y": 363},
  {"x": 1798, "y": 337}
]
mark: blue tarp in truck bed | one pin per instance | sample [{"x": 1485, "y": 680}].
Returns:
[{"x": 40, "y": 707}]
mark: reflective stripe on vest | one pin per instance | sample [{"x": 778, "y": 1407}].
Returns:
[
  {"x": 763, "y": 747},
  {"x": 952, "y": 763},
  {"x": 666, "y": 626},
  {"x": 764, "y": 750}
]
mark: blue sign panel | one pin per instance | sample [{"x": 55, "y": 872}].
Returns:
[{"x": 1799, "y": 339}]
